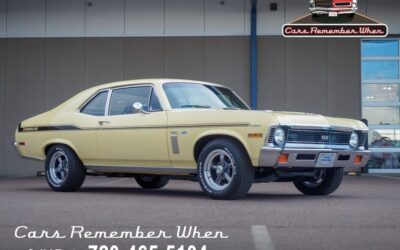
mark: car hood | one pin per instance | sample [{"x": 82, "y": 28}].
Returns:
[{"x": 308, "y": 119}]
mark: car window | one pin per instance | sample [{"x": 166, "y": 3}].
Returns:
[
  {"x": 97, "y": 105},
  {"x": 154, "y": 102},
  {"x": 192, "y": 96},
  {"x": 122, "y": 100}
]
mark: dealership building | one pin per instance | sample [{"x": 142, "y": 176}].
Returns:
[{"x": 52, "y": 49}]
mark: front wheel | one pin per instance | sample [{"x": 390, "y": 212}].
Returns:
[
  {"x": 151, "y": 182},
  {"x": 224, "y": 170},
  {"x": 64, "y": 170},
  {"x": 328, "y": 182}
]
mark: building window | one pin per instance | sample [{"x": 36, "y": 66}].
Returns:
[{"x": 380, "y": 76}]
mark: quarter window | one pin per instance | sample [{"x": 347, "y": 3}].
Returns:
[
  {"x": 154, "y": 103},
  {"x": 97, "y": 105},
  {"x": 122, "y": 100}
]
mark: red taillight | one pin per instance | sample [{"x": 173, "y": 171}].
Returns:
[{"x": 22, "y": 143}]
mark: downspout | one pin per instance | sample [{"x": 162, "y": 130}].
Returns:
[{"x": 253, "y": 55}]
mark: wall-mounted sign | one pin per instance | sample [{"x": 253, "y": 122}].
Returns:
[{"x": 334, "y": 18}]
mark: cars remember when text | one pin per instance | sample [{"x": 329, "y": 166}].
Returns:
[{"x": 158, "y": 129}]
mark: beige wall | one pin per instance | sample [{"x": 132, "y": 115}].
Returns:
[{"x": 312, "y": 75}]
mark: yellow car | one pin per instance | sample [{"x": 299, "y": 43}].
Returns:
[{"x": 158, "y": 129}]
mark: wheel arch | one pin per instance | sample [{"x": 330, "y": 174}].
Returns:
[
  {"x": 49, "y": 144},
  {"x": 204, "y": 139}
]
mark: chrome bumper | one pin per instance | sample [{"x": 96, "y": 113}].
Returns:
[
  {"x": 321, "y": 10},
  {"x": 345, "y": 158}
]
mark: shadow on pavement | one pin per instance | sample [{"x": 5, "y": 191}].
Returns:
[{"x": 175, "y": 193}]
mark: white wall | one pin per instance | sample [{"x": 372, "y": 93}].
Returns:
[{"x": 118, "y": 18}]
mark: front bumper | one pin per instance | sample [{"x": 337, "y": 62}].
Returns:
[
  {"x": 307, "y": 158},
  {"x": 321, "y": 10}
]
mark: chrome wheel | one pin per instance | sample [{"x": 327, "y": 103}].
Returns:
[
  {"x": 218, "y": 169},
  {"x": 58, "y": 167}
]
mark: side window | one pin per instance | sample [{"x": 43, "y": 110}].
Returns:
[
  {"x": 122, "y": 100},
  {"x": 154, "y": 103},
  {"x": 97, "y": 105}
]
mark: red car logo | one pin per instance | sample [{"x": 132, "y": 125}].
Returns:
[{"x": 333, "y": 7}]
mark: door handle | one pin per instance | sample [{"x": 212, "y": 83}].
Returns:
[{"x": 103, "y": 122}]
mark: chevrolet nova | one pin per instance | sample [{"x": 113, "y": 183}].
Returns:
[
  {"x": 158, "y": 129},
  {"x": 333, "y": 7}
]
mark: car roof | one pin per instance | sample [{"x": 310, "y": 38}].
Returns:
[{"x": 155, "y": 81}]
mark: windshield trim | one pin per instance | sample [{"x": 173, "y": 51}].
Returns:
[{"x": 205, "y": 84}]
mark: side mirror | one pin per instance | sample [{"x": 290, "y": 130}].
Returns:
[{"x": 138, "y": 108}]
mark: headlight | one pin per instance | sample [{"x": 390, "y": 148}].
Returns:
[
  {"x": 353, "y": 140},
  {"x": 279, "y": 136}
]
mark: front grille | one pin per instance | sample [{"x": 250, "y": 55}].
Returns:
[
  {"x": 362, "y": 137},
  {"x": 328, "y": 137},
  {"x": 323, "y": 3},
  {"x": 319, "y": 136},
  {"x": 271, "y": 135}
]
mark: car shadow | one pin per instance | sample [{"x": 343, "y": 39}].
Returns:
[{"x": 194, "y": 194}]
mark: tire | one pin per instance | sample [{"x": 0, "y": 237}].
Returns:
[
  {"x": 351, "y": 15},
  {"x": 314, "y": 15},
  {"x": 64, "y": 170},
  {"x": 151, "y": 182},
  {"x": 224, "y": 170},
  {"x": 330, "y": 181}
]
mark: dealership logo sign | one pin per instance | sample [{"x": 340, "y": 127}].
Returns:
[{"x": 334, "y": 18}]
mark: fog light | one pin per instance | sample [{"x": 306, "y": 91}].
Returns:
[
  {"x": 358, "y": 159},
  {"x": 283, "y": 158}
]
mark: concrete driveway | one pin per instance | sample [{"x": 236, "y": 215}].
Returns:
[{"x": 363, "y": 214}]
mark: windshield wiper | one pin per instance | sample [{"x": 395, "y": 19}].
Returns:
[{"x": 195, "y": 106}]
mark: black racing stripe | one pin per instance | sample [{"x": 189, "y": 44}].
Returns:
[
  {"x": 71, "y": 127},
  {"x": 46, "y": 128}
]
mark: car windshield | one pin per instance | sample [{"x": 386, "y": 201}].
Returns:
[{"x": 201, "y": 96}]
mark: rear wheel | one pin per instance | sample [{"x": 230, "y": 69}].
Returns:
[
  {"x": 350, "y": 15},
  {"x": 64, "y": 170},
  {"x": 151, "y": 182},
  {"x": 224, "y": 170},
  {"x": 328, "y": 182}
]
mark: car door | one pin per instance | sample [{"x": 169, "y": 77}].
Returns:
[{"x": 129, "y": 139}]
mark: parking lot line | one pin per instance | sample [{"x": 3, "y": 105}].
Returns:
[{"x": 262, "y": 239}]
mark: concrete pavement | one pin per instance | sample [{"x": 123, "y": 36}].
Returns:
[{"x": 363, "y": 214}]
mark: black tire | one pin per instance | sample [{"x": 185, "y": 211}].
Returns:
[
  {"x": 315, "y": 15},
  {"x": 331, "y": 180},
  {"x": 151, "y": 182},
  {"x": 351, "y": 15},
  {"x": 75, "y": 175},
  {"x": 241, "y": 170}
]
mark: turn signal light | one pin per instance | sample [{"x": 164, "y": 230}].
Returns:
[
  {"x": 358, "y": 159},
  {"x": 255, "y": 135},
  {"x": 283, "y": 158}
]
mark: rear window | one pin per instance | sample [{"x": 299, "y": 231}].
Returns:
[{"x": 97, "y": 105}]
